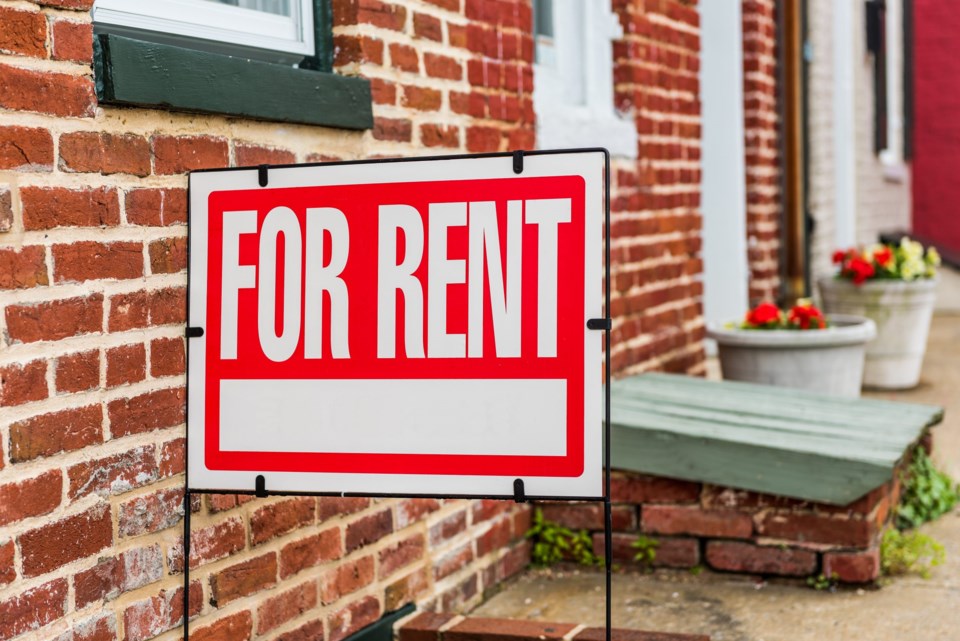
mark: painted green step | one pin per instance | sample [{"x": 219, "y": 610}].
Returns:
[{"x": 757, "y": 437}]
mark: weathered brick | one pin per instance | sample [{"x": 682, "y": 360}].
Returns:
[
  {"x": 168, "y": 306},
  {"x": 310, "y": 631},
  {"x": 852, "y": 567},
  {"x": 101, "y": 627},
  {"x": 244, "y": 578},
  {"x": 503, "y": 629},
  {"x": 58, "y": 94},
  {"x": 151, "y": 513},
  {"x": 383, "y": 92},
  {"x": 427, "y": 26},
  {"x": 404, "y": 57},
  {"x": 51, "y": 207},
  {"x": 279, "y": 518},
  {"x": 6, "y": 209},
  {"x": 176, "y": 155},
  {"x": 78, "y": 5},
  {"x": 156, "y": 207},
  {"x": 669, "y": 552},
  {"x": 23, "y": 383},
  {"x": 167, "y": 357},
  {"x": 311, "y": 551},
  {"x": 114, "y": 474},
  {"x": 43, "y": 548},
  {"x": 155, "y": 615},
  {"x": 8, "y": 573},
  {"x": 410, "y": 511},
  {"x": 394, "y": 129},
  {"x": 421, "y": 98},
  {"x": 55, "y": 320},
  {"x": 736, "y": 556},
  {"x": 400, "y": 555},
  {"x": 368, "y": 529},
  {"x": 129, "y": 311},
  {"x": 353, "y": 617},
  {"x": 33, "y": 609},
  {"x": 105, "y": 153},
  {"x": 87, "y": 260},
  {"x": 147, "y": 412},
  {"x": 31, "y": 497},
  {"x": 235, "y": 627},
  {"x": 814, "y": 528},
  {"x": 453, "y": 561},
  {"x": 126, "y": 364},
  {"x": 381, "y": 14},
  {"x": 440, "y": 66},
  {"x": 77, "y": 372},
  {"x": 672, "y": 519},
  {"x": 24, "y": 32},
  {"x": 248, "y": 154},
  {"x": 448, "y": 528},
  {"x": 346, "y": 578},
  {"x": 25, "y": 148},
  {"x": 286, "y": 606},
  {"x": 172, "y": 457},
  {"x": 72, "y": 41},
  {"x": 331, "y": 506},
  {"x": 638, "y": 488},
  {"x": 432, "y": 135},
  {"x": 589, "y": 516},
  {"x": 113, "y": 576},
  {"x": 49, "y": 434},
  {"x": 483, "y": 139},
  {"x": 168, "y": 255},
  {"x": 209, "y": 544}
]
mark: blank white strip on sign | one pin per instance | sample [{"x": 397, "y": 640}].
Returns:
[{"x": 519, "y": 417}]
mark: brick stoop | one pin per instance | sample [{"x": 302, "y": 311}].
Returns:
[{"x": 430, "y": 626}]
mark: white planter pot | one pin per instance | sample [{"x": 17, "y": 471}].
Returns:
[
  {"x": 829, "y": 361},
  {"x": 902, "y": 311}
]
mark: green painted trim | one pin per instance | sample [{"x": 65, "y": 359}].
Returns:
[
  {"x": 322, "y": 60},
  {"x": 137, "y": 73}
]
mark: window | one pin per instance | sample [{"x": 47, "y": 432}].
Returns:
[
  {"x": 265, "y": 59},
  {"x": 573, "y": 87},
  {"x": 885, "y": 42}
]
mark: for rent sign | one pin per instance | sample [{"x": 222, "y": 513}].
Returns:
[{"x": 414, "y": 327}]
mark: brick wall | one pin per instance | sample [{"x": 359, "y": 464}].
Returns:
[
  {"x": 92, "y": 284},
  {"x": 655, "y": 237},
  {"x": 762, "y": 147}
]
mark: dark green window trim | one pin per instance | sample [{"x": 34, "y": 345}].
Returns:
[{"x": 144, "y": 74}]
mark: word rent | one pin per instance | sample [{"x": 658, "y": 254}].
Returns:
[{"x": 312, "y": 254}]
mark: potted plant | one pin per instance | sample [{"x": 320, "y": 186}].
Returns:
[
  {"x": 800, "y": 348},
  {"x": 895, "y": 286}
]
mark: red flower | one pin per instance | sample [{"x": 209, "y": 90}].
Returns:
[
  {"x": 859, "y": 270},
  {"x": 763, "y": 314},
  {"x": 838, "y": 256},
  {"x": 806, "y": 317},
  {"x": 883, "y": 256}
]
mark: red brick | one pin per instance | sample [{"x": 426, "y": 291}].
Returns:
[
  {"x": 209, "y": 544},
  {"x": 384, "y": 92},
  {"x": 50, "y": 434},
  {"x": 412, "y": 510},
  {"x": 497, "y": 537},
  {"x": 279, "y": 518},
  {"x": 354, "y": 617},
  {"x": 156, "y": 207},
  {"x": 448, "y": 528},
  {"x": 58, "y": 94},
  {"x": 167, "y": 357},
  {"x": 24, "y": 383},
  {"x": 671, "y": 519},
  {"x": 449, "y": 5},
  {"x": 155, "y": 615},
  {"x": 620, "y": 634},
  {"x": 852, "y": 567},
  {"x": 440, "y": 66},
  {"x": 440, "y": 135},
  {"x": 77, "y": 372},
  {"x": 406, "y": 589},
  {"x": 31, "y": 497},
  {"x": 381, "y": 14},
  {"x": 311, "y": 631},
  {"x": 244, "y": 578},
  {"x": 28, "y": 148},
  {"x": 476, "y": 628},
  {"x": 330, "y": 506},
  {"x": 8, "y": 573},
  {"x": 79, "y": 5},
  {"x": 589, "y": 516},
  {"x": 461, "y": 594},
  {"x": 421, "y": 98},
  {"x": 286, "y": 606},
  {"x": 483, "y": 139},
  {"x": 452, "y": 561},
  {"x": 404, "y": 58},
  {"x": 716, "y": 497},
  {"x": 102, "y": 627},
  {"x": 177, "y": 155},
  {"x": 168, "y": 255},
  {"x": 395, "y": 129},
  {"x": 813, "y": 528},
  {"x": 249, "y": 154},
  {"x": 151, "y": 513},
  {"x": 113, "y": 576},
  {"x": 457, "y": 35},
  {"x": 72, "y": 41},
  {"x": 400, "y": 555},
  {"x": 168, "y": 306},
  {"x": 55, "y": 320},
  {"x": 129, "y": 311},
  {"x": 43, "y": 549},
  {"x": 635, "y": 488},
  {"x": 105, "y": 153},
  {"x": 427, "y": 26},
  {"x": 147, "y": 412},
  {"x": 670, "y": 552},
  {"x": 33, "y": 609},
  {"x": 346, "y": 578},
  {"x": 354, "y": 49},
  {"x": 51, "y": 207},
  {"x": 24, "y": 32},
  {"x": 173, "y": 457},
  {"x": 86, "y": 260},
  {"x": 230, "y": 628},
  {"x": 23, "y": 269},
  {"x": 735, "y": 556},
  {"x": 126, "y": 364},
  {"x": 425, "y": 626},
  {"x": 369, "y": 529},
  {"x": 309, "y": 552},
  {"x": 113, "y": 474}
]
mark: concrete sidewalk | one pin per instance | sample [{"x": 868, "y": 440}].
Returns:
[{"x": 744, "y": 609}]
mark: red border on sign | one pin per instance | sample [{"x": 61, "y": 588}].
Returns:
[{"x": 360, "y": 205}]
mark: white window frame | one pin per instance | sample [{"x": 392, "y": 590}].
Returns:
[
  {"x": 894, "y": 169},
  {"x": 573, "y": 81},
  {"x": 222, "y": 28}
]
